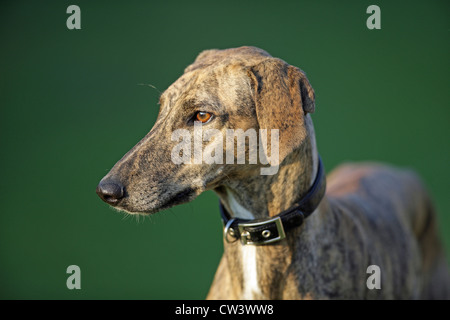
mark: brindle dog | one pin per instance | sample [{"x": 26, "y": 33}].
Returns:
[{"x": 371, "y": 214}]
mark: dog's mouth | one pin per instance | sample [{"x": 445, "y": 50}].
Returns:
[
  {"x": 158, "y": 204},
  {"x": 181, "y": 197}
]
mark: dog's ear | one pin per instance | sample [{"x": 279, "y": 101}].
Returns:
[
  {"x": 302, "y": 87},
  {"x": 205, "y": 54},
  {"x": 204, "y": 58},
  {"x": 282, "y": 96}
]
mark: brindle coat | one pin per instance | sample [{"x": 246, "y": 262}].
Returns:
[{"x": 371, "y": 215}]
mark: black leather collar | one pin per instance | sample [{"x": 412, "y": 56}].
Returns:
[{"x": 269, "y": 230}]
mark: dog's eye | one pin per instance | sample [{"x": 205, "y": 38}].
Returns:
[{"x": 203, "y": 117}]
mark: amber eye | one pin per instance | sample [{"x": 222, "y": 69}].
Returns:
[{"x": 203, "y": 117}]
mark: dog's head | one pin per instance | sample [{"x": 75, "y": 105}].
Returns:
[{"x": 224, "y": 92}]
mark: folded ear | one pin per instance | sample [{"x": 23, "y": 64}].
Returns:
[
  {"x": 303, "y": 88},
  {"x": 282, "y": 96},
  {"x": 205, "y": 57}
]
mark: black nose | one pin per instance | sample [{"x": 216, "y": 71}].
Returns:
[{"x": 110, "y": 192}]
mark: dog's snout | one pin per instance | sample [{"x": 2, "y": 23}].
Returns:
[{"x": 110, "y": 191}]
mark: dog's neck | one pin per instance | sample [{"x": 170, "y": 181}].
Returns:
[
  {"x": 262, "y": 196},
  {"x": 254, "y": 271}
]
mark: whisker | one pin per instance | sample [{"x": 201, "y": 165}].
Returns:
[{"x": 150, "y": 85}]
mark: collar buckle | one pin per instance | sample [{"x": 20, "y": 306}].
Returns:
[{"x": 256, "y": 233}]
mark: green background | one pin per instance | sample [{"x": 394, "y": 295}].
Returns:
[{"x": 71, "y": 106}]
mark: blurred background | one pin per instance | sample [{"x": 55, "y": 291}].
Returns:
[{"x": 71, "y": 106}]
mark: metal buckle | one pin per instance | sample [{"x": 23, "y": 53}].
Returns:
[
  {"x": 245, "y": 234},
  {"x": 227, "y": 229}
]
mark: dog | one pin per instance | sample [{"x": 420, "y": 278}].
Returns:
[{"x": 293, "y": 234}]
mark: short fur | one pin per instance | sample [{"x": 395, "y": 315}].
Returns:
[{"x": 372, "y": 214}]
